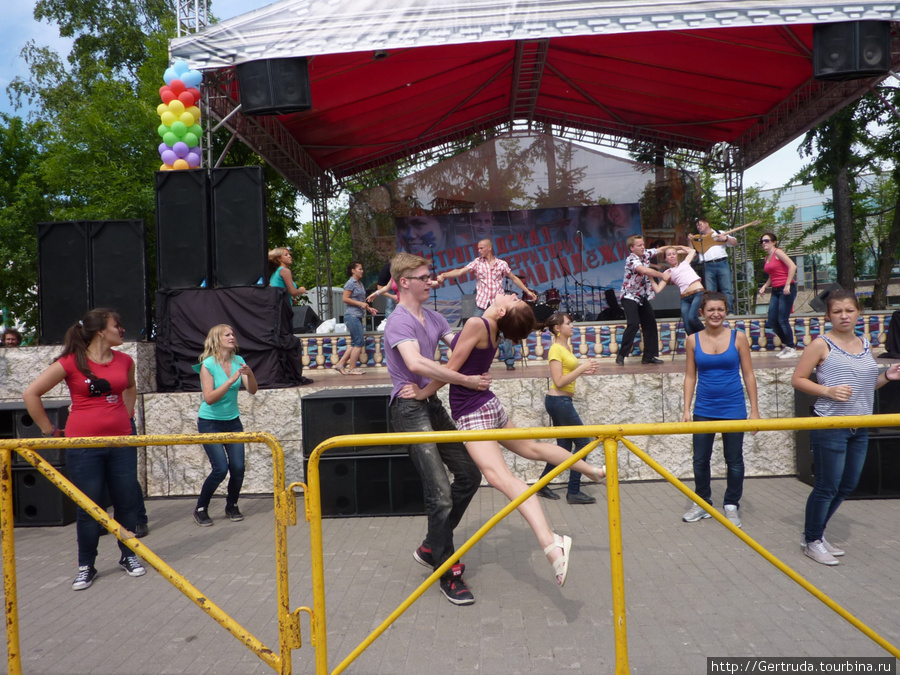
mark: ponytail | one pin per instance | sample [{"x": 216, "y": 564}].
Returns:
[{"x": 80, "y": 335}]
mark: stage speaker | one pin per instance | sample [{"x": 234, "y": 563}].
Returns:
[
  {"x": 119, "y": 273},
  {"x": 851, "y": 49},
  {"x": 15, "y": 422},
  {"x": 305, "y": 319},
  {"x": 667, "y": 305},
  {"x": 339, "y": 412},
  {"x": 63, "y": 277},
  {"x": 274, "y": 86},
  {"x": 818, "y": 302},
  {"x": 182, "y": 229},
  {"x": 367, "y": 485},
  {"x": 37, "y": 502},
  {"x": 240, "y": 231}
]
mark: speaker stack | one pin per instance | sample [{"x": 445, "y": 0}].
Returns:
[
  {"x": 274, "y": 86},
  {"x": 366, "y": 480},
  {"x": 36, "y": 501},
  {"x": 851, "y": 50},
  {"x": 211, "y": 228},
  {"x": 87, "y": 264},
  {"x": 880, "y": 476},
  {"x": 818, "y": 303}
]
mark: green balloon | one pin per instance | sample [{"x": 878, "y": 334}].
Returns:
[
  {"x": 190, "y": 139},
  {"x": 162, "y": 130},
  {"x": 179, "y": 128},
  {"x": 197, "y": 130},
  {"x": 170, "y": 139}
]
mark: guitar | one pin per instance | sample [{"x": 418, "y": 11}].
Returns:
[{"x": 703, "y": 242}]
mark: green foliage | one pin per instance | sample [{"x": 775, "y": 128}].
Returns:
[{"x": 302, "y": 244}]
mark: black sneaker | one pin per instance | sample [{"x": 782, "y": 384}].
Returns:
[
  {"x": 85, "y": 578},
  {"x": 423, "y": 556},
  {"x": 132, "y": 565},
  {"x": 455, "y": 589},
  {"x": 233, "y": 513},
  {"x": 547, "y": 493},
  {"x": 202, "y": 517},
  {"x": 580, "y": 498},
  {"x": 141, "y": 530}
]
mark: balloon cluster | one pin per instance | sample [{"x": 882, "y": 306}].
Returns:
[{"x": 180, "y": 128}]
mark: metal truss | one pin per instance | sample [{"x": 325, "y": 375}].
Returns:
[{"x": 191, "y": 16}]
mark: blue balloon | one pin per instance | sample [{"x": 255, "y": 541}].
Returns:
[
  {"x": 170, "y": 75},
  {"x": 181, "y": 66},
  {"x": 192, "y": 78}
]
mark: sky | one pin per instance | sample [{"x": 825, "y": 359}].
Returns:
[{"x": 18, "y": 27}]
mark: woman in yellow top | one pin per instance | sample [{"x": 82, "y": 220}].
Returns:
[{"x": 564, "y": 370}]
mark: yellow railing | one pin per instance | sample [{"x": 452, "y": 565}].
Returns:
[
  {"x": 609, "y": 435},
  {"x": 285, "y": 514}
]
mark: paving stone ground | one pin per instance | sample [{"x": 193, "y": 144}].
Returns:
[{"x": 692, "y": 590}]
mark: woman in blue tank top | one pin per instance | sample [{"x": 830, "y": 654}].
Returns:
[
  {"x": 473, "y": 353},
  {"x": 716, "y": 359},
  {"x": 846, "y": 379}
]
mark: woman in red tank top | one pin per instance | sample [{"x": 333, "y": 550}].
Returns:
[{"x": 781, "y": 270}]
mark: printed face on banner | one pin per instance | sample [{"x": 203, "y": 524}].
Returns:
[{"x": 572, "y": 253}]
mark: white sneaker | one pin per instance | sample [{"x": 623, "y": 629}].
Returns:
[
  {"x": 781, "y": 353},
  {"x": 696, "y": 513},
  {"x": 788, "y": 353},
  {"x": 816, "y": 551},
  {"x": 731, "y": 512},
  {"x": 831, "y": 548}
]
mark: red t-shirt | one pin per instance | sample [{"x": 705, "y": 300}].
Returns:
[{"x": 101, "y": 412}]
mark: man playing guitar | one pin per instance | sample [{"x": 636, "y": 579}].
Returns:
[{"x": 716, "y": 270}]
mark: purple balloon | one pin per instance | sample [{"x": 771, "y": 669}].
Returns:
[
  {"x": 181, "y": 149},
  {"x": 195, "y": 151},
  {"x": 162, "y": 148},
  {"x": 193, "y": 160},
  {"x": 169, "y": 157}
]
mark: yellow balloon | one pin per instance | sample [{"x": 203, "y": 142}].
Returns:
[
  {"x": 187, "y": 118},
  {"x": 195, "y": 111},
  {"x": 165, "y": 167},
  {"x": 162, "y": 108},
  {"x": 176, "y": 106},
  {"x": 168, "y": 118},
  {"x": 180, "y": 165}
]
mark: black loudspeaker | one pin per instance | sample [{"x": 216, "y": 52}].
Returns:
[
  {"x": 305, "y": 319},
  {"x": 37, "y": 502},
  {"x": 182, "y": 229},
  {"x": 379, "y": 485},
  {"x": 119, "y": 273},
  {"x": 818, "y": 302},
  {"x": 339, "y": 412},
  {"x": 15, "y": 422},
  {"x": 240, "y": 231},
  {"x": 274, "y": 86},
  {"x": 851, "y": 49},
  {"x": 63, "y": 277},
  {"x": 667, "y": 305}
]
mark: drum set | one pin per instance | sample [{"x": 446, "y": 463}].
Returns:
[{"x": 545, "y": 305}]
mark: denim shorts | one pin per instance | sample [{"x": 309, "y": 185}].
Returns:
[{"x": 354, "y": 326}]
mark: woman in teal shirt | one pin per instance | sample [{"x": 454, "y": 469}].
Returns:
[
  {"x": 280, "y": 262},
  {"x": 221, "y": 373}
]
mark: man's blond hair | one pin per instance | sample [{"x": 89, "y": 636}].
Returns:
[{"x": 404, "y": 263}]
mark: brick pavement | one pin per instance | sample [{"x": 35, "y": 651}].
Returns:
[{"x": 692, "y": 591}]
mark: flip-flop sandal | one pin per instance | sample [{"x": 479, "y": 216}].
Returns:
[
  {"x": 356, "y": 371},
  {"x": 340, "y": 370}
]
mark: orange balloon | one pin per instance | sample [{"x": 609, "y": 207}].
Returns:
[
  {"x": 165, "y": 167},
  {"x": 181, "y": 164}
]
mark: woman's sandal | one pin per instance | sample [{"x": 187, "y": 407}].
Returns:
[
  {"x": 356, "y": 371},
  {"x": 561, "y": 564},
  {"x": 340, "y": 370},
  {"x": 598, "y": 478}
]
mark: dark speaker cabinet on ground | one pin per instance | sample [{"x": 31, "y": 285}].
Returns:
[
  {"x": 369, "y": 485},
  {"x": 881, "y": 472},
  {"x": 37, "y": 502},
  {"x": 15, "y": 422},
  {"x": 376, "y": 480}
]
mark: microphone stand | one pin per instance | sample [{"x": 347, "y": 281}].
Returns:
[
  {"x": 565, "y": 270},
  {"x": 581, "y": 272}
]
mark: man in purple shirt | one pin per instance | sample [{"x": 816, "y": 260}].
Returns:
[{"x": 411, "y": 336}]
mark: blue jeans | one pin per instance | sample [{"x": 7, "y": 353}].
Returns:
[
  {"x": 389, "y": 306},
  {"x": 779, "y": 319},
  {"x": 690, "y": 313},
  {"x": 226, "y": 458},
  {"x": 838, "y": 458},
  {"x": 563, "y": 414},
  {"x": 355, "y": 328},
  {"x": 733, "y": 449},
  {"x": 445, "y": 503},
  {"x": 717, "y": 277},
  {"x": 93, "y": 471}
]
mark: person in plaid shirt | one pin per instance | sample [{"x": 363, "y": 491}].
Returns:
[
  {"x": 490, "y": 272},
  {"x": 638, "y": 289}
]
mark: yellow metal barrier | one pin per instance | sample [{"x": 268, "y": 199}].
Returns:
[
  {"x": 609, "y": 435},
  {"x": 285, "y": 514}
]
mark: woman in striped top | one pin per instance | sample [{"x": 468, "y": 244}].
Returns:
[{"x": 846, "y": 379}]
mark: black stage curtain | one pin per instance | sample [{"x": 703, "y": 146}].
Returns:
[
  {"x": 260, "y": 316},
  {"x": 892, "y": 344}
]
